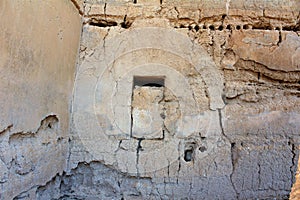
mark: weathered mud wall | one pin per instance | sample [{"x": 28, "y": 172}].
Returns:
[
  {"x": 172, "y": 99},
  {"x": 38, "y": 48},
  {"x": 224, "y": 126}
]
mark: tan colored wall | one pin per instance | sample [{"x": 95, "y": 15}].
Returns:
[
  {"x": 247, "y": 149},
  {"x": 295, "y": 193},
  {"x": 244, "y": 148},
  {"x": 38, "y": 48}
]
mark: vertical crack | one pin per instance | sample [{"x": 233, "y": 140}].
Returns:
[
  {"x": 119, "y": 146},
  {"x": 104, "y": 39},
  {"x": 221, "y": 124},
  {"x": 131, "y": 112},
  {"x": 138, "y": 149},
  {"x": 179, "y": 162},
  {"x": 104, "y": 10},
  {"x": 231, "y": 151},
  {"x": 279, "y": 38},
  {"x": 259, "y": 178},
  {"x": 292, "y": 167}
]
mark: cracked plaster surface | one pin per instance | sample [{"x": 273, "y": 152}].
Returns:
[
  {"x": 222, "y": 43},
  {"x": 238, "y": 133}
]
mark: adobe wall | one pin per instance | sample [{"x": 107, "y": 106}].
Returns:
[
  {"x": 176, "y": 99},
  {"x": 171, "y": 99}
]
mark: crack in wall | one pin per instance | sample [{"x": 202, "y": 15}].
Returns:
[
  {"x": 77, "y": 6},
  {"x": 275, "y": 75},
  {"x": 138, "y": 149},
  {"x": 7, "y": 129},
  {"x": 294, "y": 160},
  {"x": 231, "y": 152}
]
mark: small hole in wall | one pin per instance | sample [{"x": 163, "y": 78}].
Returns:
[
  {"x": 204, "y": 27},
  {"x": 188, "y": 155},
  {"x": 238, "y": 27},
  {"x": 246, "y": 26},
  {"x": 223, "y": 16},
  {"x": 197, "y": 28},
  {"x": 190, "y": 27},
  {"x": 181, "y": 26},
  {"x": 220, "y": 28},
  {"x": 102, "y": 23},
  {"x": 228, "y": 27},
  {"x": 277, "y": 29},
  {"x": 134, "y": 1},
  {"x": 211, "y": 27},
  {"x": 202, "y": 149},
  {"x": 126, "y": 24},
  {"x": 233, "y": 145},
  {"x": 50, "y": 122}
]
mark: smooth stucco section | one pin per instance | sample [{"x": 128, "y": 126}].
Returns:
[{"x": 38, "y": 49}]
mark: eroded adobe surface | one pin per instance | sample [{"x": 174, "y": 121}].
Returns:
[
  {"x": 180, "y": 99},
  {"x": 226, "y": 114}
]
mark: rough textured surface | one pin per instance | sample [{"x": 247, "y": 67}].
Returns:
[
  {"x": 295, "y": 193},
  {"x": 38, "y": 47},
  {"x": 235, "y": 53},
  {"x": 172, "y": 100},
  {"x": 147, "y": 113}
]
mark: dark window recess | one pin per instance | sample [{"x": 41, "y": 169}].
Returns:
[
  {"x": 188, "y": 155},
  {"x": 150, "y": 81}
]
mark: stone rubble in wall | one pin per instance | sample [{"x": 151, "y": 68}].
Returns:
[{"x": 18, "y": 157}]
